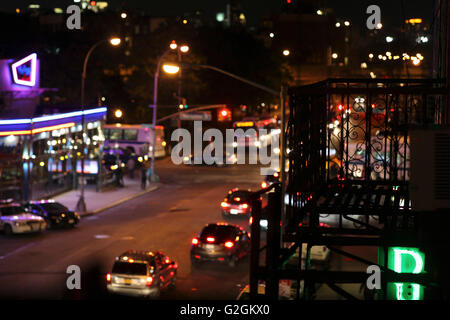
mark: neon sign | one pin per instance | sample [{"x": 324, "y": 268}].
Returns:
[
  {"x": 24, "y": 71},
  {"x": 406, "y": 260}
]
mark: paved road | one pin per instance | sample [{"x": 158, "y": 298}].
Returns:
[{"x": 33, "y": 266}]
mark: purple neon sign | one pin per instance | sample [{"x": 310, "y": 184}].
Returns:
[{"x": 24, "y": 71}]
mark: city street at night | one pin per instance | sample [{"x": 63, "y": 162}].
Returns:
[{"x": 213, "y": 159}]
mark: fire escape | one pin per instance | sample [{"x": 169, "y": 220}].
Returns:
[{"x": 348, "y": 151}]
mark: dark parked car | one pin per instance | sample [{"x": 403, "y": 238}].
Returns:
[
  {"x": 142, "y": 273},
  {"x": 220, "y": 242},
  {"x": 54, "y": 213}
]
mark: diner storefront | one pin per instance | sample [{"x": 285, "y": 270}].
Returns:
[
  {"x": 40, "y": 157},
  {"x": 40, "y": 152}
]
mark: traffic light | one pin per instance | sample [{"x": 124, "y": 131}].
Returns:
[{"x": 224, "y": 114}]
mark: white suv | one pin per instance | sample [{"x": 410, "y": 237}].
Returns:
[{"x": 14, "y": 219}]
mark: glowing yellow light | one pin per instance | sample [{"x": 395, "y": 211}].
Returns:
[
  {"x": 115, "y": 41},
  {"x": 286, "y": 52},
  {"x": 123, "y": 15},
  {"x": 173, "y": 45},
  {"x": 334, "y": 55},
  {"x": 185, "y": 21},
  {"x": 163, "y": 143},
  {"x": 171, "y": 69},
  {"x": 42, "y": 163},
  {"x": 118, "y": 113},
  {"x": 184, "y": 48}
]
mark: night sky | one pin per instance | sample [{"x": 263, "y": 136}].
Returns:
[{"x": 354, "y": 10}]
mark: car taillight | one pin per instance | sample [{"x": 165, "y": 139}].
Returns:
[
  {"x": 195, "y": 241},
  {"x": 108, "y": 278},
  {"x": 245, "y": 206},
  {"x": 210, "y": 239},
  {"x": 224, "y": 204},
  {"x": 149, "y": 281},
  {"x": 250, "y": 221},
  {"x": 229, "y": 244}
]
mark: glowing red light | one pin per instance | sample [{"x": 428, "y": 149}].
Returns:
[
  {"x": 210, "y": 239},
  {"x": 195, "y": 241},
  {"x": 245, "y": 206},
  {"x": 93, "y": 3},
  {"x": 224, "y": 113},
  {"x": 340, "y": 107}
]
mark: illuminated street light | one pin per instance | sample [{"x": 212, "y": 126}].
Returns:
[
  {"x": 334, "y": 55},
  {"x": 185, "y": 21},
  {"x": 338, "y": 24},
  {"x": 171, "y": 68},
  {"x": 184, "y": 48},
  {"x": 389, "y": 39},
  {"x": 371, "y": 55},
  {"x": 379, "y": 26},
  {"x": 319, "y": 12},
  {"x": 347, "y": 23},
  {"x": 173, "y": 45},
  {"x": 271, "y": 35},
  {"x": 123, "y": 15},
  {"x": 118, "y": 113},
  {"x": 286, "y": 52},
  {"x": 115, "y": 41}
]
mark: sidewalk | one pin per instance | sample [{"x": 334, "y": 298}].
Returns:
[{"x": 110, "y": 197}]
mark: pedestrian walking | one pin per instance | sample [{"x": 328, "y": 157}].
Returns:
[
  {"x": 131, "y": 164},
  {"x": 143, "y": 177}
]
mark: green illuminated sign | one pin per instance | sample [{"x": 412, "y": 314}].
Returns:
[{"x": 405, "y": 260}]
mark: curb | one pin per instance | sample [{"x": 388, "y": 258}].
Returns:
[{"x": 91, "y": 213}]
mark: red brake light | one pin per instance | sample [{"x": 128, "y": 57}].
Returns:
[
  {"x": 245, "y": 206},
  {"x": 210, "y": 239},
  {"x": 149, "y": 281},
  {"x": 195, "y": 241},
  {"x": 108, "y": 278},
  {"x": 224, "y": 204},
  {"x": 229, "y": 244}
]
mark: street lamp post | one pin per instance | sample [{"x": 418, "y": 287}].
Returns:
[
  {"x": 81, "y": 204},
  {"x": 169, "y": 69}
]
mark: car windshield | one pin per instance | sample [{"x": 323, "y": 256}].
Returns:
[
  {"x": 139, "y": 269},
  {"x": 12, "y": 210},
  {"x": 54, "y": 207},
  {"x": 239, "y": 196},
  {"x": 219, "y": 233}
]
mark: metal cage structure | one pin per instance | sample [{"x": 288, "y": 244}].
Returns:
[{"x": 348, "y": 151}]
